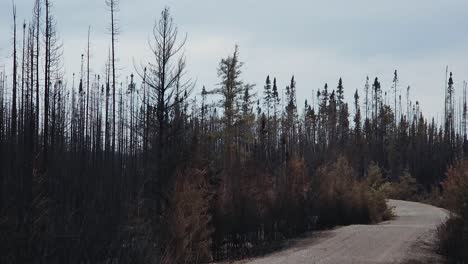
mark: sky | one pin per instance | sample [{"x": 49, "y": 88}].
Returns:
[{"x": 316, "y": 41}]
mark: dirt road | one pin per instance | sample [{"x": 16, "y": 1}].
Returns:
[{"x": 409, "y": 238}]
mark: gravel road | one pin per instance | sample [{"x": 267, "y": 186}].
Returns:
[{"x": 408, "y": 238}]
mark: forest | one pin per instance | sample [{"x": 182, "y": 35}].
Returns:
[{"x": 142, "y": 169}]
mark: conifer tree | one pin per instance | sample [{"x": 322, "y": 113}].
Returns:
[{"x": 268, "y": 95}]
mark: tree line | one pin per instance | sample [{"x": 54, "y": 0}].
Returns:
[{"x": 143, "y": 170}]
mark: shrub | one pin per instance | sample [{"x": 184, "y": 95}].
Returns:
[
  {"x": 406, "y": 188},
  {"x": 451, "y": 239},
  {"x": 254, "y": 210},
  {"x": 342, "y": 199},
  {"x": 188, "y": 220},
  {"x": 375, "y": 179},
  {"x": 455, "y": 188},
  {"x": 292, "y": 189},
  {"x": 453, "y": 235},
  {"x": 378, "y": 208},
  {"x": 379, "y": 189},
  {"x": 377, "y": 183},
  {"x": 433, "y": 197}
]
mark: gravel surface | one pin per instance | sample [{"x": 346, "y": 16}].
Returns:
[{"x": 408, "y": 238}]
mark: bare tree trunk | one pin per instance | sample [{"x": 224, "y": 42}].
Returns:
[
  {"x": 107, "y": 132},
  {"x": 38, "y": 27},
  {"x": 395, "y": 83},
  {"x": 113, "y": 33},
  {"x": 46, "y": 85},
  {"x": 15, "y": 75},
  {"x": 31, "y": 89},
  {"x": 146, "y": 121},
  {"x": 22, "y": 79},
  {"x": 87, "y": 89}
]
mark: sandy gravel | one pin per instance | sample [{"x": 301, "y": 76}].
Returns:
[{"x": 409, "y": 238}]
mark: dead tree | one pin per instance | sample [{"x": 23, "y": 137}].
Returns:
[
  {"x": 87, "y": 89},
  {"x": 163, "y": 78},
  {"x": 114, "y": 7},
  {"x": 15, "y": 74},
  {"x": 46, "y": 84},
  {"x": 22, "y": 77},
  {"x": 395, "y": 84},
  {"x": 37, "y": 14}
]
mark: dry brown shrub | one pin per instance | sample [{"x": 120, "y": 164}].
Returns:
[
  {"x": 343, "y": 199},
  {"x": 296, "y": 182},
  {"x": 453, "y": 235},
  {"x": 261, "y": 195},
  {"x": 188, "y": 220},
  {"x": 451, "y": 240},
  {"x": 455, "y": 187}
]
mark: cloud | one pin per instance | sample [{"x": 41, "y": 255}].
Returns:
[{"x": 317, "y": 41}]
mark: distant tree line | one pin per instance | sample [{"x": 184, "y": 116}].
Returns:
[{"x": 142, "y": 170}]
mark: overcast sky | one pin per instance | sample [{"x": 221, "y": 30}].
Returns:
[{"x": 317, "y": 41}]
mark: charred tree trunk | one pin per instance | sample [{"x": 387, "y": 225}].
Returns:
[
  {"x": 46, "y": 86},
  {"x": 23, "y": 79},
  {"x": 38, "y": 32},
  {"x": 14, "y": 110}
]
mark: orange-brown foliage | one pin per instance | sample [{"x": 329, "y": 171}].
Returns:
[
  {"x": 343, "y": 199},
  {"x": 188, "y": 220},
  {"x": 453, "y": 235},
  {"x": 455, "y": 186}
]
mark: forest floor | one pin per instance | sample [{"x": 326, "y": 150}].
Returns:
[{"x": 408, "y": 238}]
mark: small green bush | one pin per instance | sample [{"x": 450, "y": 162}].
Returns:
[
  {"x": 406, "y": 188},
  {"x": 379, "y": 190}
]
